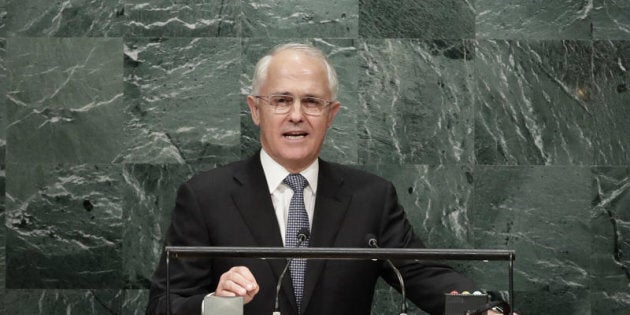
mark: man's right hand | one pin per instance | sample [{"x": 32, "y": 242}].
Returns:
[{"x": 238, "y": 281}]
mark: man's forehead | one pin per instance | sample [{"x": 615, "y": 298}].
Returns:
[{"x": 296, "y": 58}]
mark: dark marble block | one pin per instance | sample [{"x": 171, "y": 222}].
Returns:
[
  {"x": 611, "y": 19},
  {"x": 148, "y": 202},
  {"x": 610, "y": 224},
  {"x": 427, "y": 19},
  {"x": 2, "y": 232},
  {"x": 135, "y": 302},
  {"x": 183, "y": 96},
  {"x": 610, "y": 101},
  {"x": 63, "y": 302},
  {"x": 341, "y": 143},
  {"x": 533, "y": 103},
  {"x": 207, "y": 18},
  {"x": 101, "y": 18},
  {"x": 542, "y": 213},
  {"x": 3, "y": 17},
  {"x": 64, "y": 226},
  {"x": 300, "y": 18},
  {"x": 387, "y": 301},
  {"x": 2, "y": 169},
  {"x": 533, "y": 19},
  {"x": 65, "y": 100},
  {"x": 437, "y": 201},
  {"x": 416, "y": 103},
  {"x": 3, "y": 101}
]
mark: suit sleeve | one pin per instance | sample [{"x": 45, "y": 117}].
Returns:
[
  {"x": 425, "y": 282},
  {"x": 190, "y": 278}
]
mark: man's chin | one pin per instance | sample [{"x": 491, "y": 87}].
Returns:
[{"x": 297, "y": 162}]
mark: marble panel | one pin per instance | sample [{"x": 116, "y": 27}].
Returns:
[
  {"x": 135, "y": 302},
  {"x": 65, "y": 100},
  {"x": 533, "y": 19},
  {"x": 300, "y": 18},
  {"x": 3, "y": 294},
  {"x": 610, "y": 224},
  {"x": 387, "y": 301},
  {"x": 64, "y": 226},
  {"x": 556, "y": 301},
  {"x": 610, "y": 99},
  {"x": 3, "y": 17},
  {"x": 543, "y": 214},
  {"x": 428, "y": 19},
  {"x": 63, "y": 302},
  {"x": 2, "y": 225},
  {"x": 615, "y": 304},
  {"x": 2, "y": 160},
  {"x": 416, "y": 103},
  {"x": 437, "y": 200},
  {"x": 68, "y": 18},
  {"x": 533, "y": 103},
  {"x": 183, "y": 95},
  {"x": 3, "y": 101},
  {"x": 3, "y": 262},
  {"x": 611, "y": 19},
  {"x": 341, "y": 142},
  {"x": 167, "y": 18},
  {"x": 148, "y": 202}
]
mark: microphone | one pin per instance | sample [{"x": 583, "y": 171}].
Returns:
[
  {"x": 371, "y": 240},
  {"x": 302, "y": 236}
]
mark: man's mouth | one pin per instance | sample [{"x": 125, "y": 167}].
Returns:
[{"x": 295, "y": 134}]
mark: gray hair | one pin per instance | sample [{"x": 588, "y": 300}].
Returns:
[{"x": 260, "y": 72}]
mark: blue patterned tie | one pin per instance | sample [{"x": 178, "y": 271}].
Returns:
[{"x": 298, "y": 219}]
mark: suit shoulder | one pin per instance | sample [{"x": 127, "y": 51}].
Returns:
[{"x": 216, "y": 176}]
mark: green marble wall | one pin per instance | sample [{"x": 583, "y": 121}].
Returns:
[{"x": 503, "y": 124}]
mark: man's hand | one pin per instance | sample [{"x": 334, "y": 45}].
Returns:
[{"x": 238, "y": 281}]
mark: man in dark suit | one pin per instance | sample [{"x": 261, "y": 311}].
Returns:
[{"x": 250, "y": 203}]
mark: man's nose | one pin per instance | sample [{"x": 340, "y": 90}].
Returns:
[{"x": 295, "y": 112}]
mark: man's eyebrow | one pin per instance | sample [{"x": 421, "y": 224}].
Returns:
[
  {"x": 290, "y": 94},
  {"x": 281, "y": 93}
]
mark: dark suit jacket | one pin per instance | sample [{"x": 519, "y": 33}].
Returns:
[{"x": 231, "y": 206}]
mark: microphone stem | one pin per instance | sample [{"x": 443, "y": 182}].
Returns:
[
  {"x": 403, "y": 306},
  {"x": 301, "y": 238}
]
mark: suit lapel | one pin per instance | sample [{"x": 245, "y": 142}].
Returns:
[
  {"x": 330, "y": 208},
  {"x": 254, "y": 203}
]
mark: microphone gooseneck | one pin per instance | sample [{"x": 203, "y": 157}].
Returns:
[
  {"x": 302, "y": 235},
  {"x": 403, "y": 305}
]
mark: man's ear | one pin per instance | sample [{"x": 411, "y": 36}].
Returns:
[
  {"x": 332, "y": 112},
  {"x": 254, "y": 109}
]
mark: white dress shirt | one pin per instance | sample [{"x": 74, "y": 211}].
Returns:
[{"x": 281, "y": 193}]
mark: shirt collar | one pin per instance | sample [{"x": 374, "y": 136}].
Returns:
[{"x": 275, "y": 173}]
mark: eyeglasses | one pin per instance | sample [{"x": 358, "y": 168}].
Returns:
[{"x": 282, "y": 104}]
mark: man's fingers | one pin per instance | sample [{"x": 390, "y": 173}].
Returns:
[
  {"x": 245, "y": 278},
  {"x": 233, "y": 287},
  {"x": 238, "y": 281}
]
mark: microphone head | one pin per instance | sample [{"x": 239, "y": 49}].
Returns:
[
  {"x": 371, "y": 240},
  {"x": 303, "y": 234}
]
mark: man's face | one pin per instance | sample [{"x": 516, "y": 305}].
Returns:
[{"x": 293, "y": 139}]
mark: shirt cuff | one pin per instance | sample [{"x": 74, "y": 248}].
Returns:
[{"x": 204, "y": 300}]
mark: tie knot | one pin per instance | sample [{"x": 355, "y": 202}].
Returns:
[{"x": 297, "y": 182}]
